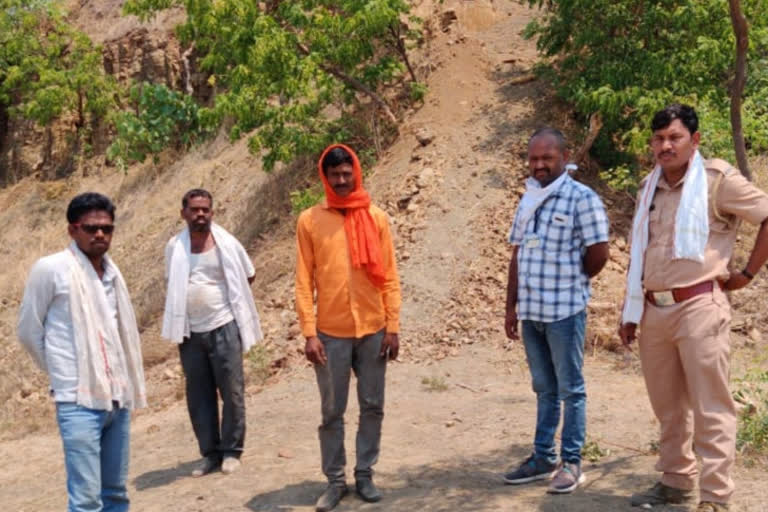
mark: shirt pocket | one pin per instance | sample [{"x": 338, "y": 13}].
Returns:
[{"x": 559, "y": 231}]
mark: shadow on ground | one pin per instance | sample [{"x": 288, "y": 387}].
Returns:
[
  {"x": 161, "y": 477},
  {"x": 464, "y": 484}
]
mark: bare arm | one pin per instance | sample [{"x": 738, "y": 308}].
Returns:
[
  {"x": 595, "y": 258},
  {"x": 757, "y": 259},
  {"x": 510, "y": 318}
]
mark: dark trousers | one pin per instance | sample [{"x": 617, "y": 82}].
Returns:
[
  {"x": 346, "y": 355},
  {"x": 213, "y": 361}
]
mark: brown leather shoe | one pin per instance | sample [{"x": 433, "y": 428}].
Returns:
[{"x": 661, "y": 494}]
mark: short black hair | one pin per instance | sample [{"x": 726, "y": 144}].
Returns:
[
  {"x": 88, "y": 202},
  {"x": 196, "y": 192},
  {"x": 685, "y": 113},
  {"x": 335, "y": 157},
  {"x": 551, "y": 132}
]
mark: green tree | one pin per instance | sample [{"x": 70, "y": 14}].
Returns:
[
  {"x": 160, "y": 118},
  {"x": 627, "y": 59},
  {"x": 287, "y": 72},
  {"x": 48, "y": 70}
]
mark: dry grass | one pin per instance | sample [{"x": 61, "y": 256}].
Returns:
[{"x": 247, "y": 202}]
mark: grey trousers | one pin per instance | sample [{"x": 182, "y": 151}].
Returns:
[
  {"x": 213, "y": 361},
  {"x": 362, "y": 356}
]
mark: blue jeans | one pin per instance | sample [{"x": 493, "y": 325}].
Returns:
[
  {"x": 555, "y": 353},
  {"x": 96, "y": 452}
]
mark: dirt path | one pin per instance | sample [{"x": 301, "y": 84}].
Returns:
[{"x": 442, "y": 449}]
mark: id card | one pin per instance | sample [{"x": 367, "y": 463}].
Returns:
[{"x": 533, "y": 242}]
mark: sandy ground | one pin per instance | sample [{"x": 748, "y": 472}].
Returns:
[{"x": 441, "y": 450}]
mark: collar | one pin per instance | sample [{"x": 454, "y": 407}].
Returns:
[{"x": 664, "y": 184}]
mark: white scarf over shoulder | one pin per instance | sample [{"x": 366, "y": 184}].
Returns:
[
  {"x": 234, "y": 261},
  {"x": 691, "y": 231},
  {"x": 91, "y": 326},
  {"x": 534, "y": 196}
]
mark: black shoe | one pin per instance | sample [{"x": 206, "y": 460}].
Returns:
[
  {"x": 331, "y": 497},
  {"x": 367, "y": 491},
  {"x": 530, "y": 470}
]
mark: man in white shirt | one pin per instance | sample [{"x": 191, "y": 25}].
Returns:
[
  {"x": 210, "y": 313},
  {"x": 77, "y": 323}
]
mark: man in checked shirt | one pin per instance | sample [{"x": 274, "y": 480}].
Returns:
[{"x": 559, "y": 241}]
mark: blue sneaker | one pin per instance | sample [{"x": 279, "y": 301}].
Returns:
[{"x": 530, "y": 470}]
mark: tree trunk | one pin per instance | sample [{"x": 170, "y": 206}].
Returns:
[{"x": 740, "y": 30}]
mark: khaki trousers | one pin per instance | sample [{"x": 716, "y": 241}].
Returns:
[{"x": 685, "y": 349}]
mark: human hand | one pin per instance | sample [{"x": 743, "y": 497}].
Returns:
[
  {"x": 735, "y": 281},
  {"x": 627, "y": 333},
  {"x": 390, "y": 345},
  {"x": 315, "y": 351},
  {"x": 510, "y": 325}
]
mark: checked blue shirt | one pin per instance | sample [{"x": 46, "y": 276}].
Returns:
[{"x": 552, "y": 284}]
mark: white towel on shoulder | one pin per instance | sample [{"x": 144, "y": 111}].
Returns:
[
  {"x": 233, "y": 261},
  {"x": 90, "y": 325},
  {"x": 534, "y": 196},
  {"x": 691, "y": 231}
]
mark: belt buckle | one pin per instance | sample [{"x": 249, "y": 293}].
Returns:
[{"x": 664, "y": 298}]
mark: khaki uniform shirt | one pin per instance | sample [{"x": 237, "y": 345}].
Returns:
[{"x": 735, "y": 199}]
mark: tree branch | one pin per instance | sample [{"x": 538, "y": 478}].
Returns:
[
  {"x": 741, "y": 31},
  {"x": 355, "y": 84}
]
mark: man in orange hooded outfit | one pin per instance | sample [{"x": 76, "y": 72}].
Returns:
[{"x": 345, "y": 256}]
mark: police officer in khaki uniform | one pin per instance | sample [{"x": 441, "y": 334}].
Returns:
[{"x": 678, "y": 300}]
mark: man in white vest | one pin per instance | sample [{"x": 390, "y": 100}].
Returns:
[
  {"x": 210, "y": 313},
  {"x": 77, "y": 323}
]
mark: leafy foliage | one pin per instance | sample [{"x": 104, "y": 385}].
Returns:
[
  {"x": 48, "y": 70},
  {"x": 305, "y": 198},
  {"x": 288, "y": 72},
  {"x": 628, "y": 59},
  {"x": 162, "y": 118}
]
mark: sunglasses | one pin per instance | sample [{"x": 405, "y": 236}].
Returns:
[{"x": 92, "y": 229}]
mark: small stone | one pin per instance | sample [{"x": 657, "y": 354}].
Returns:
[
  {"x": 412, "y": 207},
  {"x": 285, "y": 454},
  {"x": 425, "y": 136},
  {"x": 755, "y": 335},
  {"x": 424, "y": 177},
  {"x": 448, "y": 18}
]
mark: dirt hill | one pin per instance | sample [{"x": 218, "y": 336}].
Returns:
[{"x": 460, "y": 409}]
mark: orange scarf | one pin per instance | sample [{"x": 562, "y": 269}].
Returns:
[{"x": 362, "y": 233}]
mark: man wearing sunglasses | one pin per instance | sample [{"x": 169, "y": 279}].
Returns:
[
  {"x": 77, "y": 322},
  {"x": 210, "y": 313}
]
